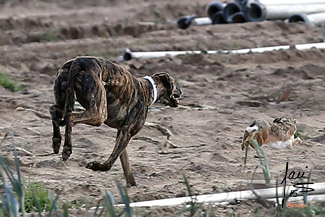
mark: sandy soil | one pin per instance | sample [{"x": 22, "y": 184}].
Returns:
[{"x": 222, "y": 95}]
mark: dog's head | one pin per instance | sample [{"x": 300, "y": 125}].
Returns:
[{"x": 171, "y": 91}]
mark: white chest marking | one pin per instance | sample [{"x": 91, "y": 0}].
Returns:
[
  {"x": 281, "y": 144},
  {"x": 251, "y": 129}
]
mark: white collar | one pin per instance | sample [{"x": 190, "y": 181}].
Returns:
[{"x": 154, "y": 88}]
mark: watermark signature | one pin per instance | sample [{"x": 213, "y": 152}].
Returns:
[
  {"x": 296, "y": 205},
  {"x": 300, "y": 186}
]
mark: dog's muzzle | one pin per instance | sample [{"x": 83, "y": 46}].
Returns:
[{"x": 174, "y": 100}]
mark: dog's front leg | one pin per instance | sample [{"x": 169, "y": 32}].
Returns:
[
  {"x": 127, "y": 169},
  {"x": 122, "y": 140},
  {"x": 67, "y": 148},
  {"x": 56, "y": 115}
]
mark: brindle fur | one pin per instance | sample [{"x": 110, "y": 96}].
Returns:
[{"x": 110, "y": 95}]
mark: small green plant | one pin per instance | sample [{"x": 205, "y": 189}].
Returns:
[
  {"x": 11, "y": 206},
  {"x": 106, "y": 205},
  {"x": 323, "y": 31},
  {"x": 192, "y": 207},
  {"x": 299, "y": 133},
  {"x": 319, "y": 210},
  {"x": 263, "y": 161},
  {"x": 262, "y": 110},
  {"x": 9, "y": 83},
  {"x": 37, "y": 197},
  {"x": 18, "y": 198},
  {"x": 261, "y": 156},
  {"x": 48, "y": 36}
]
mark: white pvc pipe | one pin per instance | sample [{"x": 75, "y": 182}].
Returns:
[
  {"x": 288, "y": 2},
  {"x": 311, "y": 19},
  {"x": 258, "y": 12},
  {"x": 200, "y": 21},
  {"x": 128, "y": 54},
  {"x": 186, "y": 21},
  {"x": 319, "y": 188},
  {"x": 320, "y": 197},
  {"x": 316, "y": 197}
]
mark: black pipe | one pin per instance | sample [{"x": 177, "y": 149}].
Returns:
[
  {"x": 298, "y": 18},
  {"x": 218, "y": 18},
  {"x": 255, "y": 12},
  {"x": 243, "y": 3},
  {"x": 185, "y": 21},
  {"x": 213, "y": 8},
  {"x": 127, "y": 54},
  {"x": 231, "y": 8},
  {"x": 238, "y": 17}
]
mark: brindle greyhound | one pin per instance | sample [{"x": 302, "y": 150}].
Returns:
[{"x": 110, "y": 95}]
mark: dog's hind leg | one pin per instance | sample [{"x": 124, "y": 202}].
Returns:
[
  {"x": 94, "y": 102},
  {"x": 95, "y": 114}
]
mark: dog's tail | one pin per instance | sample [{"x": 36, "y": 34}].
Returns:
[{"x": 70, "y": 95}]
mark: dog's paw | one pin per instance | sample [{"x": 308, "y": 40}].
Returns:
[
  {"x": 66, "y": 154},
  {"x": 94, "y": 165},
  {"x": 56, "y": 143}
]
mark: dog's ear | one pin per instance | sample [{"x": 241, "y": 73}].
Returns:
[{"x": 165, "y": 79}]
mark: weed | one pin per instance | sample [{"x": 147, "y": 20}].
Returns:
[
  {"x": 262, "y": 110},
  {"x": 19, "y": 198},
  {"x": 263, "y": 161},
  {"x": 323, "y": 31},
  {"x": 261, "y": 156},
  {"x": 319, "y": 210},
  {"x": 36, "y": 197},
  {"x": 299, "y": 133},
  {"x": 11, "y": 205},
  {"x": 193, "y": 207},
  {"x": 9, "y": 83},
  {"x": 142, "y": 42},
  {"x": 48, "y": 36}
]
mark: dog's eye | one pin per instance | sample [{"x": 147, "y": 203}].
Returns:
[{"x": 175, "y": 95}]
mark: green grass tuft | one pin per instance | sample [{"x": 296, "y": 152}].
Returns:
[
  {"x": 299, "y": 133},
  {"x": 323, "y": 32},
  {"x": 36, "y": 197},
  {"x": 263, "y": 161},
  {"x": 9, "y": 83},
  {"x": 48, "y": 36}
]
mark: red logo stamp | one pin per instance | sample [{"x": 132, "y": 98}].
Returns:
[{"x": 296, "y": 205}]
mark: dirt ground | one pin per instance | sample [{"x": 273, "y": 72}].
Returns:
[{"x": 222, "y": 95}]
